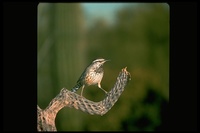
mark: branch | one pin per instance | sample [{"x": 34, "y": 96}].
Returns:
[{"x": 66, "y": 98}]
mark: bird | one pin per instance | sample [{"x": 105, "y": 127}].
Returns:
[{"x": 92, "y": 75}]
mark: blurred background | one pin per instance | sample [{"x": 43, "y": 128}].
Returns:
[{"x": 132, "y": 35}]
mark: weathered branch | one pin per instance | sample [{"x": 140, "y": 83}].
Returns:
[{"x": 66, "y": 98}]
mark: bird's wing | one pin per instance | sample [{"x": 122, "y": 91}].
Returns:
[{"x": 82, "y": 76}]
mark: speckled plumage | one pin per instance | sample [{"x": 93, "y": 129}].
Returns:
[{"x": 92, "y": 75}]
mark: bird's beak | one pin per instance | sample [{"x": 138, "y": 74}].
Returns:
[{"x": 106, "y": 60}]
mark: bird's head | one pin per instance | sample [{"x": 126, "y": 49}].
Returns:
[{"x": 99, "y": 62}]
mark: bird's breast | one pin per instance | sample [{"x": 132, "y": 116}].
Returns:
[{"x": 93, "y": 78}]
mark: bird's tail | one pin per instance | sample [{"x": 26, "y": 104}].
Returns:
[{"x": 76, "y": 87}]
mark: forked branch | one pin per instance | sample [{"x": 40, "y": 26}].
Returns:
[{"x": 66, "y": 98}]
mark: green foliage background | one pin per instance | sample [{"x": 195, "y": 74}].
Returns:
[{"x": 139, "y": 40}]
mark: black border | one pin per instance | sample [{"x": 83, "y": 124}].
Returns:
[
  {"x": 20, "y": 67},
  {"x": 183, "y": 66}
]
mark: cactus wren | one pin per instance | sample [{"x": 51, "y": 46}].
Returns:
[{"x": 92, "y": 75}]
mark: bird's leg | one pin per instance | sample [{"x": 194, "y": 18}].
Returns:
[
  {"x": 82, "y": 89},
  {"x": 99, "y": 85}
]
